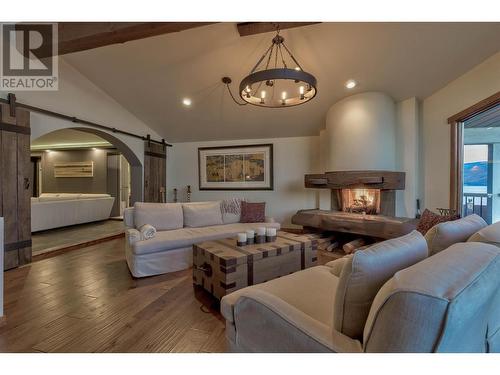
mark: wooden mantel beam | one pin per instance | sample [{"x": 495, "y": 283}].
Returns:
[
  {"x": 81, "y": 36},
  {"x": 252, "y": 28}
]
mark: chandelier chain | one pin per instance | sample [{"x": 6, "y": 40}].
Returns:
[{"x": 291, "y": 55}]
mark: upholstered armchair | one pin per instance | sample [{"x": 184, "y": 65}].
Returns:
[{"x": 387, "y": 298}]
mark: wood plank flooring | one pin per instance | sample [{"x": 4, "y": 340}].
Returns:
[{"x": 87, "y": 301}]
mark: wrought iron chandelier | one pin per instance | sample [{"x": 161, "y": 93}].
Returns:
[{"x": 277, "y": 80}]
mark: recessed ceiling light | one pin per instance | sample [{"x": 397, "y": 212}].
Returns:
[
  {"x": 351, "y": 84},
  {"x": 48, "y": 151},
  {"x": 187, "y": 102}
]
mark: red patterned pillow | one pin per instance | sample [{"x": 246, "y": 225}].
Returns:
[
  {"x": 429, "y": 219},
  {"x": 253, "y": 212}
]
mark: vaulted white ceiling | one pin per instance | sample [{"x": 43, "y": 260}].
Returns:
[{"x": 150, "y": 77}]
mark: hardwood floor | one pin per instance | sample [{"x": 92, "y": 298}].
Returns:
[{"x": 87, "y": 301}]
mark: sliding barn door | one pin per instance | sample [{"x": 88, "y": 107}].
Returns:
[
  {"x": 155, "y": 172},
  {"x": 15, "y": 182}
]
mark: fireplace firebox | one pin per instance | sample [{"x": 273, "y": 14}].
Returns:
[{"x": 365, "y": 201}]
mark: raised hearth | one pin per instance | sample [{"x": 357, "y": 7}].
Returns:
[{"x": 377, "y": 226}]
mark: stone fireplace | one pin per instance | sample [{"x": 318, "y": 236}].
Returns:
[
  {"x": 362, "y": 203},
  {"x": 360, "y": 192}
]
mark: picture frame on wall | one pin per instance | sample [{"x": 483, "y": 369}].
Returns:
[{"x": 242, "y": 167}]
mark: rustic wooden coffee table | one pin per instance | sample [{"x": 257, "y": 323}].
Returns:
[{"x": 221, "y": 267}]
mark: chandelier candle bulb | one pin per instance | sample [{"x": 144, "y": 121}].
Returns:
[
  {"x": 301, "y": 91},
  {"x": 242, "y": 239},
  {"x": 262, "y": 97},
  {"x": 283, "y": 98}
]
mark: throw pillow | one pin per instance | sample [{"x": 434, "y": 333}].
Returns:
[
  {"x": 253, "y": 212},
  {"x": 429, "y": 219},
  {"x": 231, "y": 210}
]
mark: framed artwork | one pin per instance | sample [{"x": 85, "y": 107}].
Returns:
[
  {"x": 247, "y": 167},
  {"x": 74, "y": 169}
]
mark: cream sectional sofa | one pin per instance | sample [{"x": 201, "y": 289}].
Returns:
[
  {"x": 54, "y": 210},
  {"x": 179, "y": 226},
  {"x": 391, "y": 297}
]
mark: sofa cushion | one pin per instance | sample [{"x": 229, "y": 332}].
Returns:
[
  {"x": 364, "y": 274},
  {"x": 253, "y": 212},
  {"x": 446, "y": 234},
  {"x": 489, "y": 234},
  {"x": 430, "y": 219},
  {"x": 231, "y": 210},
  {"x": 202, "y": 214},
  {"x": 186, "y": 237},
  {"x": 311, "y": 291},
  {"x": 162, "y": 216},
  {"x": 440, "y": 304}
]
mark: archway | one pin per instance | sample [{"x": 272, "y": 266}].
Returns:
[
  {"x": 135, "y": 164},
  {"x": 136, "y": 169}
]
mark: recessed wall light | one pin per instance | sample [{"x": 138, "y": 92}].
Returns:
[
  {"x": 187, "y": 102},
  {"x": 351, "y": 84}
]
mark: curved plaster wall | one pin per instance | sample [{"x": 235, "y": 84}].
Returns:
[{"x": 361, "y": 133}]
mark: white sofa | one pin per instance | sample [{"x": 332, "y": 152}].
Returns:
[
  {"x": 54, "y": 210},
  {"x": 179, "y": 226},
  {"x": 390, "y": 297}
]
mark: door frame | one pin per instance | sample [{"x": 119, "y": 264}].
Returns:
[{"x": 456, "y": 146}]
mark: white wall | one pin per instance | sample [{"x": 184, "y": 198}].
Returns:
[
  {"x": 360, "y": 131},
  {"x": 77, "y": 96},
  {"x": 477, "y": 84},
  {"x": 293, "y": 158},
  {"x": 407, "y": 154}
]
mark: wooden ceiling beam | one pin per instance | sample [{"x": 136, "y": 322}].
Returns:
[
  {"x": 81, "y": 36},
  {"x": 252, "y": 28}
]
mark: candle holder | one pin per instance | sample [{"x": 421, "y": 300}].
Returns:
[
  {"x": 271, "y": 234},
  {"x": 241, "y": 239},
  {"x": 250, "y": 237},
  {"x": 261, "y": 235},
  {"x": 270, "y": 238}
]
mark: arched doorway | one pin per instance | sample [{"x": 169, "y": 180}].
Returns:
[
  {"x": 134, "y": 162},
  {"x": 136, "y": 168}
]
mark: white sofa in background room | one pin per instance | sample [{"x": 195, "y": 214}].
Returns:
[
  {"x": 55, "y": 210},
  {"x": 179, "y": 226}
]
